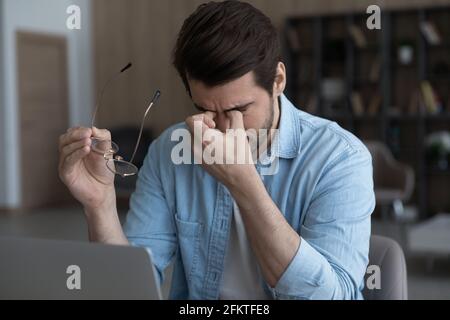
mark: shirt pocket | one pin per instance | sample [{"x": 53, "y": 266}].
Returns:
[{"x": 188, "y": 234}]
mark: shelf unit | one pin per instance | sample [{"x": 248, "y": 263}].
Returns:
[{"x": 324, "y": 58}]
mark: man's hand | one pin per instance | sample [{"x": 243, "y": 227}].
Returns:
[
  {"x": 83, "y": 171},
  {"x": 226, "y": 156},
  {"x": 273, "y": 240}
]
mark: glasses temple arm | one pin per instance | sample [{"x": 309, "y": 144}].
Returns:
[
  {"x": 100, "y": 98},
  {"x": 154, "y": 100},
  {"x": 102, "y": 92}
]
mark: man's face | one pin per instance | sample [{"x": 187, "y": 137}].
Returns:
[{"x": 255, "y": 103}]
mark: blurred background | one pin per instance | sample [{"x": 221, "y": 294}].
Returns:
[{"x": 390, "y": 87}]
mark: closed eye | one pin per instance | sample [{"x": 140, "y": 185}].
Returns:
[
  {"x": 241, "y": 109},
  {"x": 199, "y": 108}
]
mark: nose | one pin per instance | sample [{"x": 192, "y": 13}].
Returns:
[{"x": 222, "y": 122}]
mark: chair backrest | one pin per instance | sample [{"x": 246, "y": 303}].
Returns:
[
  {"x": 388, "y": 256},
  {"x": 388, "y": 172},
  {"x": 381, "y": 157}
]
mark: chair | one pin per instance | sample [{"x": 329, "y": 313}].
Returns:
[
  {"x": 388, "y": 256},
  {"x": 393, "y": 181}
]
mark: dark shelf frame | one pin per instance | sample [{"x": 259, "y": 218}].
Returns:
[{"x": 383, "y": 121}]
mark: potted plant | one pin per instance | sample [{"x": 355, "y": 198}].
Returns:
[{"x": 438, "y": 148}]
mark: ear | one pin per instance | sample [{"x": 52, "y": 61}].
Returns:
[{"x": 280, "y": 80}]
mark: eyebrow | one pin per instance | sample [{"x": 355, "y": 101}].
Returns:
[{"x": 233, "y": 109}]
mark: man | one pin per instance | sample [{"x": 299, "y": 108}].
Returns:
[{"x": 301, "y": 233}]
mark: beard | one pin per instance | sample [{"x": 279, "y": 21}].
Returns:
[
  {"x": 264, "y": 140},
  {"x": 268, "y": 123}
]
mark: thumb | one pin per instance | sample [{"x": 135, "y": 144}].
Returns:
[{"x": 101, "y": 134}]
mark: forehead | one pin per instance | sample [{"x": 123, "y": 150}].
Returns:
[{"x": 240, "y": 91}]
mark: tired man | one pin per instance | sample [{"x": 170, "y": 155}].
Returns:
[{"x": 233, "y": 230}]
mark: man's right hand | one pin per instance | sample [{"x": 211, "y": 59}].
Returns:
[{"x": 84, "y": 171}]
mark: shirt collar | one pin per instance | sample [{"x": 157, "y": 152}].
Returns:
[{"x": 287, "y": 141}]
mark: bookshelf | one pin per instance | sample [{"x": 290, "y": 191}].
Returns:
[{"x": 390, "y": 85}]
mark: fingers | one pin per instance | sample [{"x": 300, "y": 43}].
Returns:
[
  {"x": 101, "y": 134},
  {"x": 195, "y": 123},
  {"x": 236, "y": 120},
  {"x": 70, "y": 161},
  {"x": 210, "y": 135},
  {"x": 209, "y": 119},
  {"x": 70, "y": 148},
  {"x": 78, "y": 133},
  {"x": 192, "y": 119},
  {"x": 72, "y": 129},
  {"x": 206, "y": 118},
  {"x": 73, "y": 135},
  {"x": 75, "y": 144}
]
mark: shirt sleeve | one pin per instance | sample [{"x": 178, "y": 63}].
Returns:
[
  {"x": 150, "y": 221},
  {"x": 333, "y": 255}
]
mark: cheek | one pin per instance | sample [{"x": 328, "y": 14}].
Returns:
[
  {"x": 253, "y": 120},
  {"x": 247, "y": 124}
]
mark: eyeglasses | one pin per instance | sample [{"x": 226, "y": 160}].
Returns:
[{"x": 109, "y": 149}]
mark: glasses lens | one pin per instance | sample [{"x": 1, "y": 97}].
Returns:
[
  {"x": 104, "y": 146},
  {"x": 122, "y": 168}
]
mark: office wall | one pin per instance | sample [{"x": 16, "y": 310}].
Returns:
[{"x": 48, "y": 16}]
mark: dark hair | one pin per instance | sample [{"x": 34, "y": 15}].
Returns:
[{"x": 222, "y": 41}]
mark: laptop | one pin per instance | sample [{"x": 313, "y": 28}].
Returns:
[{"x": 47, "y": 269}]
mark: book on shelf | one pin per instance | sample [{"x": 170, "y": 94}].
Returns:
[
  {"x": 429, "y": 97},
  {"x": 358, "y": 36},
  {"x": 431, "y": 33},
  {"x": 375, "y": 70},
  {"x": 374, "y": 105},
  {"x": 357, "y": 103},
  {"x": 416, "y": 104}
]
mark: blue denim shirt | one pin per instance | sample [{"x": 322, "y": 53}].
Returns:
[{"x": 323, "y": 187}]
